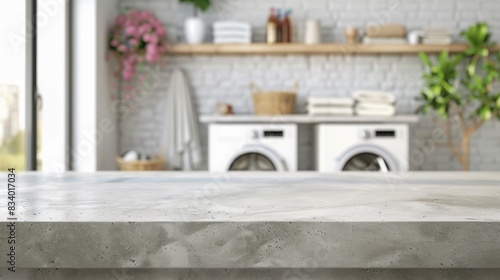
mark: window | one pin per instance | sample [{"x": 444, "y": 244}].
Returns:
[
  {"x": 34, "y": 85},
  {"x": 12, "y": 85}
]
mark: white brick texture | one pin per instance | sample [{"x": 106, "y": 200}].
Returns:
[{"x": 226, "y": 78}]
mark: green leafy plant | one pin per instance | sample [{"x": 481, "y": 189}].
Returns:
[
  {"x": 469, "y": 95},
  {"x": 203, "y": 5}
]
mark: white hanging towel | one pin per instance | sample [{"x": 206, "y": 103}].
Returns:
[
  {"x": 375, "y": 97},
  {"x": 183, "y": 140}
]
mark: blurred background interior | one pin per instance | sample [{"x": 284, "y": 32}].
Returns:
[{"x": 236, "y": 85}]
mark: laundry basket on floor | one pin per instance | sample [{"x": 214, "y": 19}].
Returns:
[{"x": 155, "y": 164}]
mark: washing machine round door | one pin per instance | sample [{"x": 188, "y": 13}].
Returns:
[
  {"x": 256, "y": 158},
  {"x": 366, "y": 158}
]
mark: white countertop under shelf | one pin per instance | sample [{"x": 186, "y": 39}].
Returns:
[{"x": 306, "y": 119}]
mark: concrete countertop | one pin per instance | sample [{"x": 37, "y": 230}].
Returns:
[
  {"x": 272, "y": 197},
  {"x": 307, "y": 119},
  {"x": 238, "y": 220}
]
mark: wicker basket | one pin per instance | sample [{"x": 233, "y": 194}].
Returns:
[
  {"x": 155, "y": 164},
  {"x": 273, "y": 103}
]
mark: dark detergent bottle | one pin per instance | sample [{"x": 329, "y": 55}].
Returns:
[
  {"x": 286, "y": 28},
  {"x": 279, "y": 27}
]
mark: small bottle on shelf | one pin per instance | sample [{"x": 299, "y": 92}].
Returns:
[
  {"x": 272, "y": 28},
  {"x": 286, "y": 28},
  {"x": 279, "y": 27}
]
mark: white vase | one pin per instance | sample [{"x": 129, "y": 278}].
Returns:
[{"x": 194, "y": 30}]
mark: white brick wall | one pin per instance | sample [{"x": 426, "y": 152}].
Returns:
[{"x": 225, "y": 78}]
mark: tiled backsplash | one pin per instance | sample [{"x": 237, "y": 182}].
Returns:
[{"x": 226, "y": 78}]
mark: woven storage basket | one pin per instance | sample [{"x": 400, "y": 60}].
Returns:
[
  {"x": 154, "y": 164},
  {"x": 273, "y": 103}
]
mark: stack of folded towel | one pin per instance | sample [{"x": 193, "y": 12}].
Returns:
[
  {"x": 230, "y": 32},
  {"x": 437, "y": 36},
  {"x": 330, "y": 106},
  {"x": 372, "y": 103},
  {"x": 385, "y": 34}
]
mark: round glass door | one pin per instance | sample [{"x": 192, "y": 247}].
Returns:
[
  {"x": 252, "y": 162},
  {"x": 366, "y": 162}
]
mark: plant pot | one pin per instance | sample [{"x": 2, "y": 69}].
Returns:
[{"x": 194, "y": 30}]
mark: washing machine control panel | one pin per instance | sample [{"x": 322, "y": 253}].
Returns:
[
  {"x": 367, "y": 134},
  {"x": 273, "y": 134},
  {"x": 385, "y": 133}
]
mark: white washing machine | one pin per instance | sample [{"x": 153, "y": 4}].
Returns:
[
  {"x": 362, "y": 147},
  {"x": 249, "y": 147}
]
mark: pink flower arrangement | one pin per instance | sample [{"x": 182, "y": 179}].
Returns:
[{"x": 137, "y": 36}]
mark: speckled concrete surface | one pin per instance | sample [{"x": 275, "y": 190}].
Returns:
[
  {"x": 241, "y": 221},
  {"x": 114, "y": 197},
  {"x": 258, "y": 245}
]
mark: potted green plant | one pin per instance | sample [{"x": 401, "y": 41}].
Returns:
[
  {"x": 194, "y": 27},
  {"x": 469, "y": 96}
]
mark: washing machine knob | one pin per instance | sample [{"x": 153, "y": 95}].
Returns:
[
  {"x": 365, "y": 134},
  {"x": 254, "y": 135}
]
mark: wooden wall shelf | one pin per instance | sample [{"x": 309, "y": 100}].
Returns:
[{"x": 284, "y": 49}]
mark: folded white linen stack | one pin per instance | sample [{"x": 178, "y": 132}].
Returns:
[
  {"x": 437, "y": 36},
  {"x": 374, "y": 103},
  {"x": 231, "y": 32},
  {"x": 330, "y": 106}
]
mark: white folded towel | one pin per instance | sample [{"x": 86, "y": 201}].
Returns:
[
  {"x": 386, "y": 112},
  {"x": 233, "y": 34},
  {"x": 374, "y": 106},
  {"x": 331, "y": 101},
  {"x": 229, "y": 37},
  {"x": 232, "y": 41},
  {"x": 375, "y": 113},
  {"x": 232, "y": 26},
  {"x": 183, "y": 140},
  {"x": 330, "y": 111},
  {"x": 374, "y": 97}
]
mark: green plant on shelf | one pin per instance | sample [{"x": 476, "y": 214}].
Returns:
[
  {"x": 202, "y": 5},
  {"x": 468, "y": 95}
]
